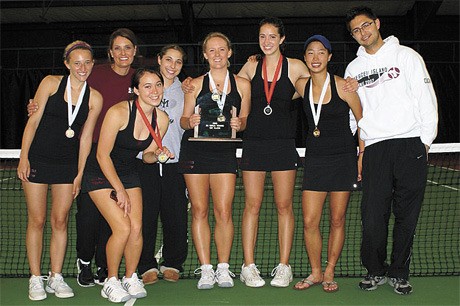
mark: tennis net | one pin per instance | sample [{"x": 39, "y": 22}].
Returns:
[{"x": 435, "y": 252}]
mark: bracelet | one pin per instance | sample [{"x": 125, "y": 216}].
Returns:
[{"x": 361, "y": 152}]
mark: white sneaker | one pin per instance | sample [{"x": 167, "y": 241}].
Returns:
[
  {"x": 224, "y": 276},
  {"x": 37, "y": 288},
  {"x": 282, "y": 276},
  {"x": 250, "y": 275},
  {"x": 208, "y": 278},
  {"x": 134, "y": 286},
  {"x": 114, "y": 291},
  {"x": 58, "y": 286}
]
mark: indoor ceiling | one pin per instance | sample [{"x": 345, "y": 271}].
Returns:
[{"x": 24, "y": 12}]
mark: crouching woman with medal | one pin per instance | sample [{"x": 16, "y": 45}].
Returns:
[
  {"x": 113, "y": 182},
  {"x": 331, "y": 162},
  {"x": 55, "y": 146}
]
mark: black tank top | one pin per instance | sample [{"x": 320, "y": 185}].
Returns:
[
  {"x": 50, "y": 144},
  {"x": 281, "y": 124},
  {"x": 334, "y": 124}
]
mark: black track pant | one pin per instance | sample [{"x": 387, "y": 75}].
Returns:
[
  {"x": 394, "y": 179},
  {"x": 165, "y": 196}
]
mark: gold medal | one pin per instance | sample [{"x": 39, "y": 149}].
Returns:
[
  {"x": 268, "y": 110},
  {"x": 316, "y": 132},
  {"x": 221, "y": 118},
  {"x": 69, "y": 133},
  {"x": 215, "y": 96},
  {"x": 162, "y": 158}
]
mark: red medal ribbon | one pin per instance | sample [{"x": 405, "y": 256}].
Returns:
[
  {"x": 269, "y": 92},
  {"x": 155, "y": 134}
]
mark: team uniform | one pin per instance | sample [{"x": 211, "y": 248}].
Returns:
[
  {"x": 269, "y": 141},
  {"x": 124, "y": 151},
  {"x": 92, "y": 229},
  {"x": 53, "y": 157},
  {"x": 164, "y": 193},
  {"x": 399, "y": 118},
  {"x": 331, "y": 158},
  {"x": 201, "y": 157}
]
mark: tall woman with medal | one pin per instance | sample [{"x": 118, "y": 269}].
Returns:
[
  {"x": 331, "y": 162},
  {"x": 55, "y": 146},
  {"x": 269, "y": 146},
  {"x": 212, "y": 166},
  {"x": 113, "y": 182}
]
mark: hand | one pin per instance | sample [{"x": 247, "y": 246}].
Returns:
[
  {"x": 194, "y": 120},
  {"x": 166, "y": 151},
  {"x": 76, "y": 188},
  {"x": 360, "y": 167},
  {"x": 351, "y": 85},
  {"x": 235, "y": 123},
  {"x": 254, "y": 58},
  {"x": 32, "y": 107},
  {"x": 187, "y": 86},
  {"x": 23, "y": 169},
  {"x": 124, "y": 201}
]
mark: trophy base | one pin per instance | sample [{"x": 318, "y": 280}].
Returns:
[{"x": 214, "y": 139}]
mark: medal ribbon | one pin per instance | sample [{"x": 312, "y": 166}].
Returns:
[
  {"x": 72, "y": 115},
  {"x": 221, "y": 101},
  {"x": 155, "y": 134},
  {"x": 269, "y": 92},
  {"x": 317, "y": 113}
]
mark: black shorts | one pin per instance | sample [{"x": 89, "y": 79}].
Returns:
[{"x": 269, "y": 155}]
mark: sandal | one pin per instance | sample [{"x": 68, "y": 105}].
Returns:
[
  {"x": 330, "y": 286},
  {"x": 305, "y": 284}
]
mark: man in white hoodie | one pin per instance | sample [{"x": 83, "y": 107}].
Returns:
[{"x": 398, "y": 126}]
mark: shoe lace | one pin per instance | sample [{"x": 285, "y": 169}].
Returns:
[
  {"x": 279, "y": 271},
  {"x": 206, "y": 274},
  {"x": 254, "y": 273},
  {"x": 224, "y": 273},
  {"x": 37, "y": 282}
]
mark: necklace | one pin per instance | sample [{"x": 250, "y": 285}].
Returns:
[
  {"x": 269, "y": 91},
  {"x": 317, "y": 113},
  {"x": 71, "y": 115}
]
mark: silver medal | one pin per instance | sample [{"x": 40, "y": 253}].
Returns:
[
  {"x": 215, "y": 96},
  {"x": 268, "y": 110},
  {"x": 221, "y": 118}
]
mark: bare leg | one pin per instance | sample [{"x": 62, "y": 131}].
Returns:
[
  {"x": 223, "y": 191},
  {"x": 133, "y": 247},
  {"x": 253, "y": 190},
  {"x": 36, "y": 198},
  {"x": 120, "y": 225},
  {"x": 283, "y": 184},
  {"x": 62, "y": 199},
  {"x": 198, "y": 188}
]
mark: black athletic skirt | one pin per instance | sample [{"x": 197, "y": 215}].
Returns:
[
  {"x": 93, "y": 182},
  {"x": 269, "y": 155},
  {"x": 46, "y": 173}
]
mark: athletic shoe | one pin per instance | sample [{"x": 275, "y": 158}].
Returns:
[
  {"x": 208, "y": 278},
  {"x": 100, "y": 276},
  {"x": 58, "y": 286},
  {"x": 37, "y": 288},
  {"x": 370, "y": 282},
  {"x": 401, "y": 285},
  {"x": 250, "y": 276},
  {"x": 170, "y": 274},
  {"x": 224, "y": 276},
  {"x": 114, "y": 291},
  {"x": 282, "y": 275},
  {"x": 150, "y": 276},
  {"x": 134, "y": 286},
  {"x": 85, "y": 277}
]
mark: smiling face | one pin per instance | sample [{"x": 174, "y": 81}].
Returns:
[
  {"x": 269, "y": 39},
  {"x": 217, "y": 52},
  {"x": 150, "y": 89},
  {"x": 80, "y": 64},
  {"x": 316, "y": 57},
  {"x": 366, "y": 32},
  {"x": 122, "y": 51},
  {"x": 171, "y": 64}
]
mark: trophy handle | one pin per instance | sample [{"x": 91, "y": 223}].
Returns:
[
  {"x": 233, "y": 116},
  {"x": 195, "y": 129}
]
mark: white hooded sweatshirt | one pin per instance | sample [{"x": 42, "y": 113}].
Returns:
[{"x": 396, "y": 94}]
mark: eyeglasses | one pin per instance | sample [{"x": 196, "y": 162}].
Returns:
[{"x": 364, "y": 26}]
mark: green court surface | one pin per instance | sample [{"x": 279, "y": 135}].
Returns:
[{"x": 427, "y": 291}]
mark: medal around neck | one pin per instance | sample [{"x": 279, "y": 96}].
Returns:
[
  {"x": 71, "y": 115},
  {"x": 215, "y": 96},
  {"x": 69, "y": 133},
  {"x": 316, "y": 113},
  {"x": 316, "y": 132},
  {"x": 162, "y": 158},
  {"x": 268, "y": 110}
]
